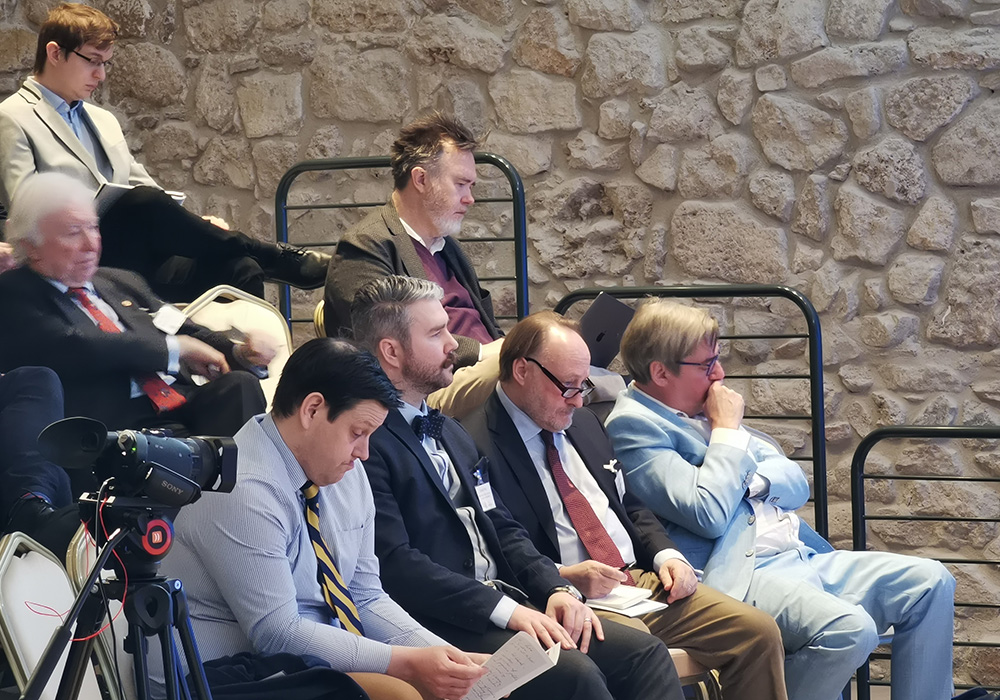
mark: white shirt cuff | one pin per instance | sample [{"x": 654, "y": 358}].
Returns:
[
  {"x": 665, "y": 554},
  {"x": 173, "y": 354},
  {"x": 759, "y": 486},
  {"x": 740, "y": 439},
  {"x": 502, "y": 612}
]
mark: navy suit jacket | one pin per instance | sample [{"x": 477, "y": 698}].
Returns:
[
  {"x": 515, "y": 479},
  {"x": 424, "y": 549},
  {"x": 44, "y": 327}
]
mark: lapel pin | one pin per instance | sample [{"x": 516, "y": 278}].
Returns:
[
  {"x": 126, "y": 302},
  {"x": 613, "y": 466}
]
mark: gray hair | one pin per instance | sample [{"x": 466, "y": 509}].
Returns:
[
  {"x": 37, "y": 197},
  {"x": 667, "y": 332},
  {"x": 381, "y": 308}
]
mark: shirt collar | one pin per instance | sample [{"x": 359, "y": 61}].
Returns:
[
  {"x": 682, "y": 414},
  {"x": 58, "y": 103},
  {"x": 436, "y": 246},
  {"x": 526, "y": 427},
  {"x": 296, "y": 476},
  {"x": 410, "y": 412},
  {"x": 89, "y": 286}
]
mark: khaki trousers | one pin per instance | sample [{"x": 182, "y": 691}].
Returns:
[
  {"x": 742, "y": 643},
  {"x": 379, "y": 686}
]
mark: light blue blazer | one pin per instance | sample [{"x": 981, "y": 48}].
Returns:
[{"x": 698, "y": 491}]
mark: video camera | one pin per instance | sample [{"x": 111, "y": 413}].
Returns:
[{"x": 148, "y": 475}]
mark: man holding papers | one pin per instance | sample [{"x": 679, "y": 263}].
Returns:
[{"x": 553, "y": 466}]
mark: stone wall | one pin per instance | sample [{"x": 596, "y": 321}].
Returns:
[{"x": 847, "y": 148}]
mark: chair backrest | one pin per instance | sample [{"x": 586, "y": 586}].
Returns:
[
  {"x": 246, "y": 313},
  {"x": 35, "y": 592}
]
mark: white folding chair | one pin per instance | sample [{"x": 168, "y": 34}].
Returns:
[
  {"x": 247, "y": 313},
  {"x": 692, "y": 674},
  {"x": 35, "y": 592}
]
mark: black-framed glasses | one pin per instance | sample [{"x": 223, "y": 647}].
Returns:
[
  {"x": 95, "y": 62},
  {"x": 568, "y": 392},
  {"x": 708, "y": 364}
]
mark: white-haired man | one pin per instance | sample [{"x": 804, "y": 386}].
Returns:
[{"x": 728, "y": 496}]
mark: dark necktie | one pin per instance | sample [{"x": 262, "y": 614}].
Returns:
[
  {"x": 589, "y": 528},
  {"x": 429, "y": 425},
  {"x": 334, "y": 590},
  {"x": 164, "y": 397}
]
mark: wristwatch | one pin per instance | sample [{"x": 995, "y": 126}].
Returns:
[{"x": 572, "y": 590}]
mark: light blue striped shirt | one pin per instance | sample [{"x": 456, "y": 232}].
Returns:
[{"x": 250, "y": 571}]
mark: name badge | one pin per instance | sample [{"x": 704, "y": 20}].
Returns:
[
  {"x": 485, "y": 495},
  {"x": 169, "y": 319}
]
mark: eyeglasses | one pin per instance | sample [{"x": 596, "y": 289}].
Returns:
[
  {"x": 708, "y": 364},
  {"x": 568, "y": 392},
  {"x": 95, "y": 62}
]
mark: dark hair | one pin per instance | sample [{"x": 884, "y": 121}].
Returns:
[
  {"x": 527, "y": 336},
  {"x": 71, "y": 25},
  {"x": 344, "y": 374},
  {"x": 381, "y": 308},
  {"x": 421, "y": 143}
]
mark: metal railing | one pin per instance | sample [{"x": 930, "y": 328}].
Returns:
[
  {"x": 860, "y": 518},
  {"x": 815, "y": 374},
  {"x": 516, "y": 199}
]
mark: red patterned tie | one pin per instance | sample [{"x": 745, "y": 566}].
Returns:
[
  {"x": 588, "y": 526},
  {"x": 163, "y": 396}
]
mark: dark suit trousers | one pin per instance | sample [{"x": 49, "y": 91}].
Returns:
[
  {"x": 627, "y": 664},
  {"x": 180, "y": 254}
]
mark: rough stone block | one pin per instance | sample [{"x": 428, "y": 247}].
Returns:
[
  {"x": 718, "y": 169},
  {"x": 929, "y": 459},
  {"x": 684, "y": 10},
  {"x": 466, "y": 44},
  {"x": 588, "y": 151},
  {"x": 528, "y": 102},
  {"x": 888, "y": 329},
  {"x": 920, "y": 106},
  {"x": 270, "y": 104},
  {"x": 859, "y": 20},
  {"x": 725, "y": 241},
  {"x": 606, "y": 15},
  {"x": 795, "y": 135},
  {"x": 734, "y": 95},
  {"x": 615, "y": 63},
  {"x": 863, "y": 110},
  {"x": 220, "y": 25},
  {"x": 987, "y": 17},
  {"x": 497, "y": 12},
  {"x": 376, "y": 80},
  {"x": 893, "y": 169},
  {"x": 774, "y": 29},
  {"x": 699, "y": 50},
  {"x": 630, "y": 203},
  {"x": 148, "y": 74},
  {"x": 867, "y": 230},
  {"x": 859, "y": 61},
  {"x": 283, "y": 15},
  {"x": 288, "y": 50},
  {"x": 968, "y": 317},
  {"x": 546, "y": 42},
  {"x": 615, "y": 120},
  {"x": 968, "y": 152},
  {"x": 660, "y": 168},
  {"x": 806, "y": 258},
  {"x": 272, "y": 159},
  {"x": 934, "y": 227},
  {"x": 17, "y": 48},
  {"x": 530, "y": 155},
  {"x": 343, "y": 16},
  {"x": 940, "y": 410},
  {"x": 948, "y": 49},
  {"x": 770, "y": 78},
  {"x": 933, "y": 8},
  {"x": 812, "y": 208},
  {"x": 914, "y": 279},
  {"x": 170, "y": 141},
  {"x": 214, "y": 95},
  {"x": 773, "y": 192},
  {"x": 682, "y": 113},
  {"x": 226, "y": 162},
  {"x": 856, "y": 379},
  {"x": 986, "y": 215}
]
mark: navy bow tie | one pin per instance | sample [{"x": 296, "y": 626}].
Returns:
[{"x": 429, "y": 425}]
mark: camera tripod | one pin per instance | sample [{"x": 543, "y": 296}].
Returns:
[{"x": 154, "y": 605}]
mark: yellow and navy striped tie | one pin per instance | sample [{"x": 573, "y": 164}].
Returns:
[{"x": 330, "y": 582}]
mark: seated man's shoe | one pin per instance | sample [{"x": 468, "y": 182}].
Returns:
[{"x": 305, "y": 269}]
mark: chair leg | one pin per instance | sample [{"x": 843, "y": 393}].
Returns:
[{"x": 864, "y": 689}]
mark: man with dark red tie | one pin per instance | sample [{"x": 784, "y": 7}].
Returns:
[
  {"x": 123, "y": 356},
  {"x": 552, "y": 464}
]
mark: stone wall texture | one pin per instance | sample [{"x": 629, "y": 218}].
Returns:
[{"x": 847, "y": 148}]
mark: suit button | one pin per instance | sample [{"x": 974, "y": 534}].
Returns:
[
  {"x": 468, "y": 564},
  {"x": 751, "y": 520},
  {"x": 749, "y": 552}
]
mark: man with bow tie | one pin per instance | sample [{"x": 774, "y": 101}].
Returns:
[
  {"x": 553, "y": 466},
  {"x": 449, "y": 552}
]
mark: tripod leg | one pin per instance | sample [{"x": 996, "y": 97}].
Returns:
[
  {"x": 182, "y": 620},
  {"x": 82, "y": 648}
]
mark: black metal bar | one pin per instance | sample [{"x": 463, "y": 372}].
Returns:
[
  {"x": 815, "y": 357},
  {"x": 519, "y": 218}
]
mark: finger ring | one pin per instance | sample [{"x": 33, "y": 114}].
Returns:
[{"x": 586, "y": 620}]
